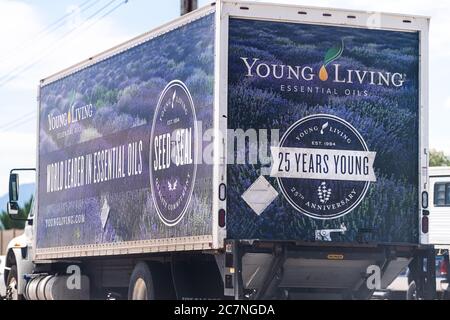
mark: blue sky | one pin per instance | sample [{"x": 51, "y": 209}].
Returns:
[{"x": 20, "y": 20}]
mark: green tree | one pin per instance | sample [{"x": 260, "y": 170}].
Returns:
[
  {"x": 8, "y": 223},
  {"x": 438, "y": 159}
]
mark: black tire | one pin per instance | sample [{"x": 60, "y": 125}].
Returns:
[
  {"x": 11, "y": 285},
  {"x": 141, "y": 285},
  {"x": 443, "y": 295},
  {"x": 411, "y": 293}
]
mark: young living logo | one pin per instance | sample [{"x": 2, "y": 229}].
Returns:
[
  {"x": 73, "y": 115},
  {"x": 307, "y": 73}
]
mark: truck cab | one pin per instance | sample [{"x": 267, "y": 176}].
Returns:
[{"x": 19, "y": 253}]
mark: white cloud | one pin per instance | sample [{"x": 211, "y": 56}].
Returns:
[
  {"x": 75, "y": 41},
  {"x": 440, "y": 144},
  {"x": 18, "y": 151},
  {"x": 447, "y": 103},
  {"x": 19, "y": 24}
]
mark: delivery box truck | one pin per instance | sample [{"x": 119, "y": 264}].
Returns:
[{"x": 244, "y": 150}]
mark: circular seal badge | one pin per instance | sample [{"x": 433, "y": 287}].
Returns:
[
  {"x": 323, "y": 166},
  {"x": 173, "y": 145}
]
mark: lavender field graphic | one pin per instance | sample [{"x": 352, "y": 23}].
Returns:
[
  {"x": 121, "y": 94},
  {"x": 386, "y": 116}
]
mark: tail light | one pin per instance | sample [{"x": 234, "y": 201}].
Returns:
[
  {"x": 222, "y": 218},
  {"x": 425, "y": 224},
  {"x": 443, "y": 267}
]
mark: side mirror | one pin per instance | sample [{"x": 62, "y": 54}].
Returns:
[
  {"x": 13, "y": 208},
  {"x": 13, "y": 204},
  {"x": 13, "y": 187}
]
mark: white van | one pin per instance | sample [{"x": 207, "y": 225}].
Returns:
[
  {"x": 439, "y": 222},
  {"x": 439, "y": 228}
]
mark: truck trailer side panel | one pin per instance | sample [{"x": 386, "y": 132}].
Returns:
[
  {"x": 326, "y": 123},
  {"x": 120, "y": 149}
]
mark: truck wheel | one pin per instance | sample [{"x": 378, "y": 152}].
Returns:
[
  {"x": 141, "y": 283},
  {"x": 12, "y": 292},
  {"x": 411, "y": 293}
]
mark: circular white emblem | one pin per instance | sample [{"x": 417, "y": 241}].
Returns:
[
  {"x": 323, "y": 166},
  {"x": 173, "y": 145}
]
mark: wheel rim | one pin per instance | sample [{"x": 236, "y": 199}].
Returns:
[
  {"x": 12, "y": 293},
  {"x": 140, "y": 290},
  {"x": 414, "y": 295}
]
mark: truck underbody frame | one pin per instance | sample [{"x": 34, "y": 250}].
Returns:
[{"x": 273, "y": 284}]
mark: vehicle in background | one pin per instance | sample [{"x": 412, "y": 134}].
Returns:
[
  {"x": 439, "y": 234},
  {"x": 399, "y": 289},
  {"x": 244, "y": 150},
  {"x": 439, "y": 229}
]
